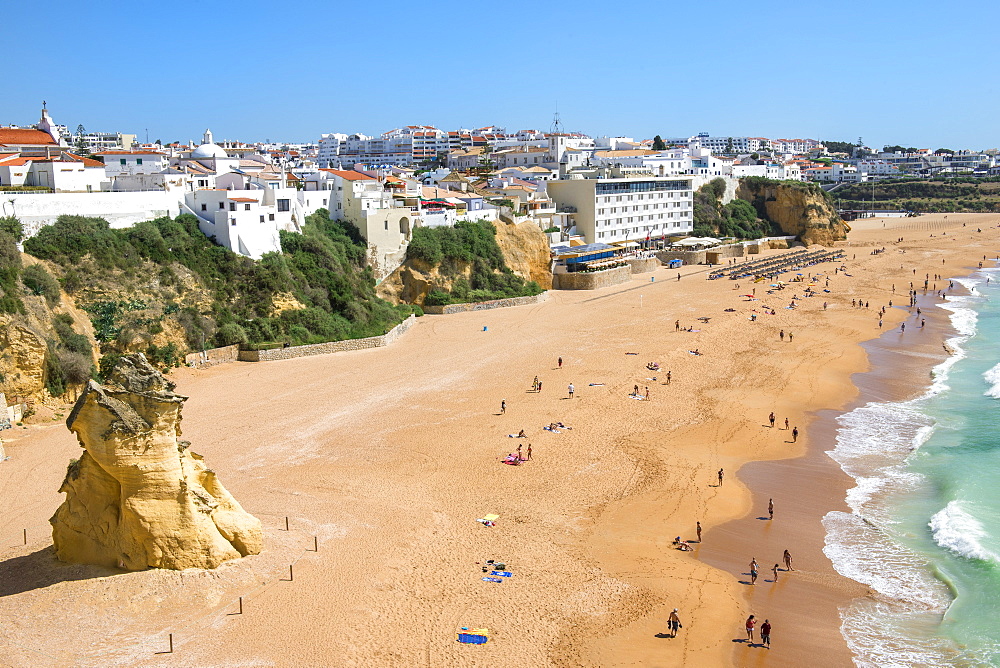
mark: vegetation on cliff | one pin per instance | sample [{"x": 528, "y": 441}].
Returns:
[
  {"x": 134, "y": 282},
  {"x": 451, "y": 249},
  {"x": 935, "y": 195},
  {"x": 798, "y": 208},
  {"x": 736, "y": 219}
]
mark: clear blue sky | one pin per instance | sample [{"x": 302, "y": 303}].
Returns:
[{"x": 892, "y": 71}]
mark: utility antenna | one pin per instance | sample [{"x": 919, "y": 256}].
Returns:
[{"x": 557, "y": 126}]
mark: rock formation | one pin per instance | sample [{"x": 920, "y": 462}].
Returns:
[
  {"x": 798, "y": 208},
  {"x": 138, "y": 497},
  {"x": 525, "y": 250}
]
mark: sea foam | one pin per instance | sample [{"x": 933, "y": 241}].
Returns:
[
  {"x": 993, "y": 378},
  {"x": 957, "y": 530}
]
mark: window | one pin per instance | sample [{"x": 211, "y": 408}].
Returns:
[
  {"x": 204, "y": 207},
  {"x": 387, "y": 226},
  {"x": 138, "y": 161},
  {"x": 232, "y": 206},
  {"x": 324, "y": 202},
  {"x": 222, "y": 205},
  {"x": 270, "y": 216},
  {"x": 246, "y": 207},
  {"x": 283, "y": 205},
  {"x": 232, "y": 221}
]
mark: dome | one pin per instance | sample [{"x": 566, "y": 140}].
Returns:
[{"x": 209, "y": 151}]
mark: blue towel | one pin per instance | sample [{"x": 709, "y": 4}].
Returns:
[
  {"x": 472, "y": 638},
  {"x": 492, "y": 579},
  {"x": 503, "y": 574}
]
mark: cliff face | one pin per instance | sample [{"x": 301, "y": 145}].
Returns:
[
  {"x": 525, "y": 250},
  {"x": 138, "y": 497},
  {"x": 797, "y": 208},
  {"x": 411, "y": 281},
  {"x": 22, "y": 359}
]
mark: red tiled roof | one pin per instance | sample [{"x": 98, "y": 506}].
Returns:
[
  {"x": 27, "y": 137},
  {"x": 349, "y": 175},
  {"x": 88, "y": 162},
  {"x": 242, "y": 199}
]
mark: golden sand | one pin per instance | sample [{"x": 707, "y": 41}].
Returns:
[{"x": 388, "y": 456}]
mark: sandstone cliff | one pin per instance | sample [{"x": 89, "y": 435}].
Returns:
[
  {"x": 797, "y": 208},
  {"x": 138, "y": 497},
  {"x": 525, "y": 249}
]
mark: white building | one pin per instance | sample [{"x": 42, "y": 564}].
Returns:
[
  {"x": 63, "y": 172},
  {"x": 117, "y": 163},
  {"x": 624, "y": 209},
  {"x": 246, "y": 221}
]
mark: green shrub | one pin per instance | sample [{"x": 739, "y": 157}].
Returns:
[
  {"x": 40, "y": 282},
  {"x": 230, "y": 334}
]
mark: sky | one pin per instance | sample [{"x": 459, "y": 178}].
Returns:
[{"x": 915, "y": 73}]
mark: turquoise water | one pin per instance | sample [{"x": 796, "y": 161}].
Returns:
[{"x": 924, "y": 533}]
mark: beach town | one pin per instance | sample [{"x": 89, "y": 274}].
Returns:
[{"x": 617, "y": 476}]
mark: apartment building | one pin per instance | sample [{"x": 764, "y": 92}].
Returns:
[{"x": 626, "y": 209}]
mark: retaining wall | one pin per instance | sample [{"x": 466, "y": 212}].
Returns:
[
  {"x": 485, "y": 306},
  {"x": 329, "y": 347},
  {"x": 644, "y": 265},
  {"x": 592, "y": 281},
  {"x": 213, "y": 356}
]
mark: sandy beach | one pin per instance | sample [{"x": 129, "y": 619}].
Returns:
[{"x": 383, "y": 459}]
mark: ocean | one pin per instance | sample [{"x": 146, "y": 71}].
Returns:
[{"x": 924, "y": 531}]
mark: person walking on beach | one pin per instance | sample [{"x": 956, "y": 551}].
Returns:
[
  {"x": 528, "y": 458},
  {"x": 788, "y": 561},
  {"x": 789, "y": 337},
  {"x": 503, "y": 407},
  {"x": 678, "y": 277},
  {"x": 697, "y": 530},
  {"x": 534, "y": 384},
  {"x": 570, "y": 388},
  {"x": 765, "y": 634},
  {"x": 560, "y": 362},
  {"x": 795, "y": 434},
  {"x": 771, "y": 419},
  {"x": 677, "y": 325},
  {"x": 902, "y": 327},
  {"x": 668, "y": 373},
  {"x": 786, "y": 424},
  {"x": 753, "y": 572},
  {"x": 751, "y": 622},
  {"x": 721, "y": 475},
  {"x": 539, "y": 386},
  {"x": 781, "y": 335},
  {"x": 635, "y": 391},
  {"x": 770, "y": 509},
  {"x": 647, "y": 393},
  {"x": 674, "y": 623},
  {"x": 775, "y": 571},
  {"x": 519, "y": 457}
]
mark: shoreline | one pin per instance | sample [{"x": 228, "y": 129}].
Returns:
[{"x": 388, "y": 455}]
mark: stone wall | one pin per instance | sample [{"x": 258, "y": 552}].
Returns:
[
  {"x": 213, "y": 356},
  {"x": 689, "y": 257},
  {"x": 329, "y": 347},
  {"x": 485, "y": 306},
  {"x": 592, "y": 281},
  {"x": 644, "y": 265}
]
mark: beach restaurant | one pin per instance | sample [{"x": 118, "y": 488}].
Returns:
[{"x": 586, "y": 257}]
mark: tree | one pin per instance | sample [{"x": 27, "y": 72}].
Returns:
[
  {"x": 12, "y": 226},
  {"x": 729, "y": 145},
  {"x": 839, "y": 147},
  {"x": 941, "y": 151},
  {"x": 486, "y": 164},
  {"x": 658, "y": 144}
]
